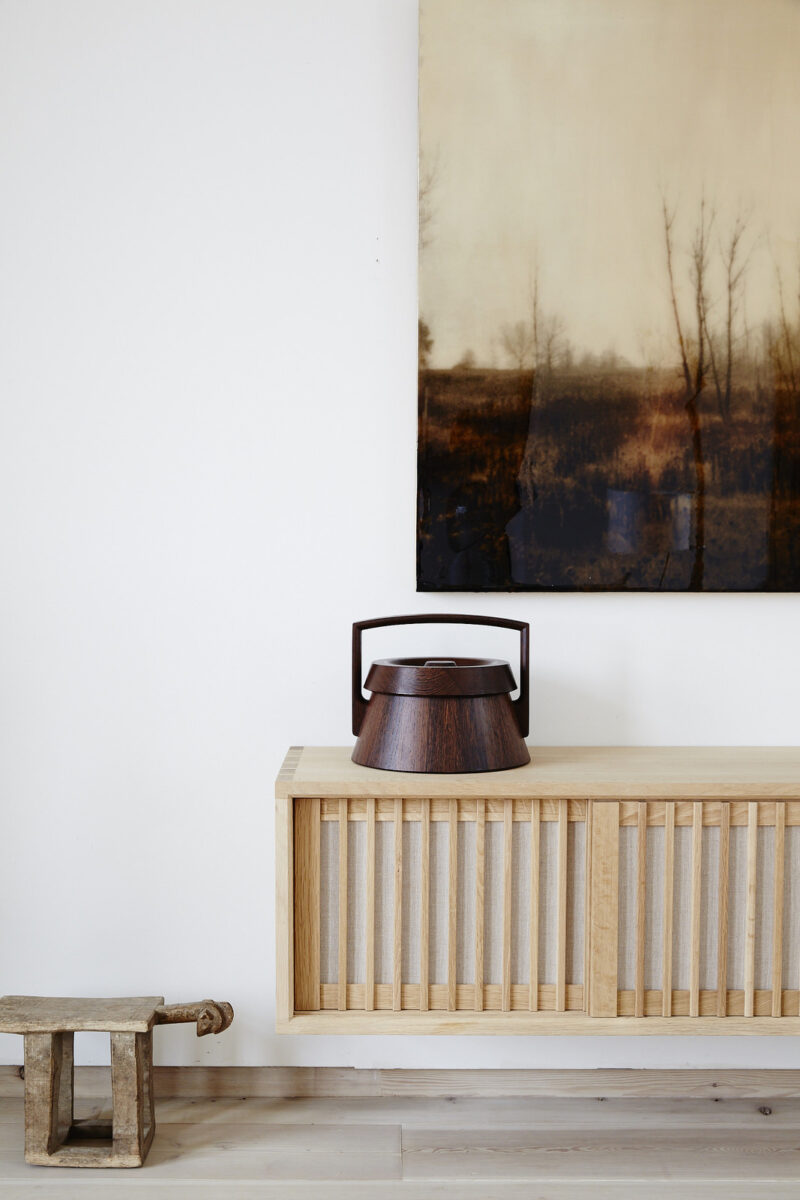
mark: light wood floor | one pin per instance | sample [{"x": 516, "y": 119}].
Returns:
[{"x": 381, "y": 1148}]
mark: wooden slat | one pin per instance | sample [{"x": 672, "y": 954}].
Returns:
[
  {"x": 425, "y": 905},
  {"x": 480, "y": 864},
  {"x": 641, "y": 902},
  {"x": 452, "y": 906},
  {"x": 750, "y": 911},
  {"x": 696, "y": 901},
  {"x": 507, "y": 879},
  {"x": 533, "y": 987},
  {"x": 777, "y": 910},
  {"x": 342, "y": 977},
  {"x": 669, "y": 897},
  {"x": 561, "y": 893},
  {"x": 306, "y": 905},
  {"x": 397, "y": 954},
  {"x": 605, "y": 910},
  {"x": 722, "y": 913},
  {"x": 369, "y": 966},
  {"x": 587, "y": 907}
]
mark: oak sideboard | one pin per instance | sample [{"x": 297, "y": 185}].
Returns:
[{"x": 595, "y": 890}]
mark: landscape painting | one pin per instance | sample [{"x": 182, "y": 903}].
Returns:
[{"x": 609, "y": 322}]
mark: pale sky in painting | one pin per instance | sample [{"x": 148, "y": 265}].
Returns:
[{"x": 553, "y": 126}]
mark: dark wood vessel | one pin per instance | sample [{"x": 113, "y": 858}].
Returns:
[{"x": 449, "y": 715}]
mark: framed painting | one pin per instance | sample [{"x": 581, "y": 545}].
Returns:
[{"x": 609, "y": 323}]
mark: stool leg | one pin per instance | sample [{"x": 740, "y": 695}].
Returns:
[
  {"x": 149, "y": 1112},
  {"x": 48, "y": 1093},
  {"x": 66, "y": 1087},
  {"x": 128, "y": 1088}
]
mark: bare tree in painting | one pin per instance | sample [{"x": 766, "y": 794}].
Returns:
[
  {"x": 734, "y": 263},
  {"x": 538, "y": 343},
  {"x": 553, "y": 344},
  {"x": 699, "y": 276},
  {"x": 427, "y": 182},
  {"x": 425, "y": 342},
  {"x": 783, "y": 348},
  {"x": 735, "y": 266},
  {"x": 428, "y": 172},
  {"x": 693, "y": 373},
  {"x": 669, "y": 220},
  {"x": 541, "y": 345},
  {"x": 535, "y": 326},
  {"x": 517, "y": 342},
  {"x": 781, "y": 344}
]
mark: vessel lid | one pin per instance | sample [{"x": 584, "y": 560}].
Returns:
[{"x": 440, "y": 677}]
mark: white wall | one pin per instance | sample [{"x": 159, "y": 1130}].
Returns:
[{"x": 207, "y": 356}]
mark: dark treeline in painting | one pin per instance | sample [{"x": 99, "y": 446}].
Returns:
[
  {"x": 672, "y": 460},
  {"x": 589, "y": 480}
]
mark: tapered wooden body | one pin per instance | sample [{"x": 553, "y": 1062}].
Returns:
[
  {"x": 440, "y": 734},
  {"x": 441, "y": 715}
]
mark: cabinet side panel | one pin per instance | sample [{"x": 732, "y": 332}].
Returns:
[{"x": 284, "y": 915}]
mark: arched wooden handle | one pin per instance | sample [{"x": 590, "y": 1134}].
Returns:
[
  {"x": 212, "y": 1016},
  {"x": 521, "y": 704}
]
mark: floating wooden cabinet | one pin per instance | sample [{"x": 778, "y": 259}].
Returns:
[{"x": 594, "y": 890}]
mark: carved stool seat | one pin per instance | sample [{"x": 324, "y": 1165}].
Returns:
[{"x": 53, "y": 1137}]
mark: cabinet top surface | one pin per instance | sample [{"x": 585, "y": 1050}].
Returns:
[{"x": 585, "y": 772}]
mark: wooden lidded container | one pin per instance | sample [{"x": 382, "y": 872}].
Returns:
[{"x": 441, "y": 715}]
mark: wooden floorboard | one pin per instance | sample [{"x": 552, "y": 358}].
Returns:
[
  {"x": 460, "y": 1113},
  {"x": 683, "y": 1156},
  {"x": 389, "y": 1190},
  {"x": 274, "y": 1082},
  {"x": 398, "y": 1190},
  {"x": 404, "y": 1147},
  {"x": 470, "y": 1112}
]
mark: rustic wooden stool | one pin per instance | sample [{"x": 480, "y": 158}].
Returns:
[{"x": 53, "y": 1138}]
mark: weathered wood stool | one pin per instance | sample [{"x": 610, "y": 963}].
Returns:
[{"x": 53, "y": 1138}]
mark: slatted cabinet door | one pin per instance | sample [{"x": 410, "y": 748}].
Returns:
[
  {"x": 488, "y": 912},
  {"x": 438, "y": 905},
  {"x": 716, "y": 885}
]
